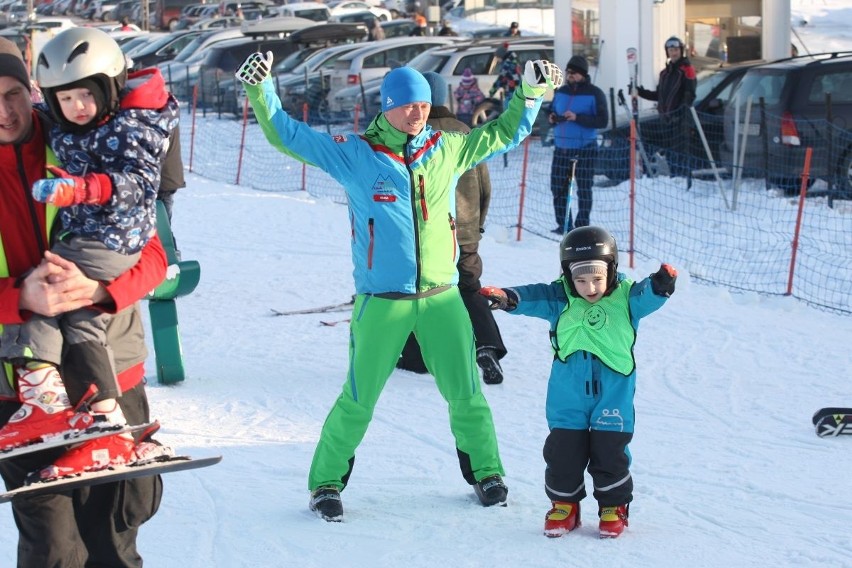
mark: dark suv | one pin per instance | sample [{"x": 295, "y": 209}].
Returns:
[{"x": 797, "y": 103}]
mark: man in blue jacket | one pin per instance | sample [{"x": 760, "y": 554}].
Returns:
[
  {"x": 400, "y": 179},
  {"x": 577, "y": 110}
]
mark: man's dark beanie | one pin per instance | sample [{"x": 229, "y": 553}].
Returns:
[{"x": 12, "y": 63}]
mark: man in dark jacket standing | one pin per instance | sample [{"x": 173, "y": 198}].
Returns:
[
  {"x": 577, "y": 110},
  {"x": 473, "y": 195},
  {"x": 674, "y": 95}
]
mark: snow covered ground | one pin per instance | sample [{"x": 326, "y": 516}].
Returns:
[{"x": 728, "y": 471}]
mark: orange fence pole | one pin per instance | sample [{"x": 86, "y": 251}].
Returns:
[
  {"x": 355, "y": 121},
  {"x": 802, "y": 194},
  {"x": 523, "y": 186}
]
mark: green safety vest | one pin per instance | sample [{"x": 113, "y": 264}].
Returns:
[
  {"x": 50, "y": 216},
  {"x": 603, "y": 329}
]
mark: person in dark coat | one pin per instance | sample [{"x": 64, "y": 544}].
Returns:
[
  {"x": 473, "y": 195},
  {"x": 674, "y": 95},
  {"x": 577, "y": 111}
]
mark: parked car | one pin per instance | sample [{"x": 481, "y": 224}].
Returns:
[
  {"x": 189, "y": 15},
  {"x": 180, "y": 71},
  {"x": 222, "y": 60},
  {"x": 163, "y": 48},
  {"x": 342, "y": 7},
  {"x": 319, "y": 47},
  {"x": 104, "y": 10},
  {"x": 14, "y": 15},
  {"x": 166, "y": 13},
  {"x": 309, "y": 10},
  {"x": 401, "y": 8},
  {"x": 398, "y": 27},
  {"x": 375, "y": 59},
  {"x": 450, "y": 61},
  {"x": 308, "y": 82},
  {"x": 797, "y": 103}
]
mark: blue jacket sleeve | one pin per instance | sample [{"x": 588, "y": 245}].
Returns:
[
  {"x": 643, "y": 301},
  {"x": 544, "y": 301}
]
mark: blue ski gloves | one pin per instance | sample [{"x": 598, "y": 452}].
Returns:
[
  {"x": 663, "y": 281},
  {"x": 500, "y": 298}
]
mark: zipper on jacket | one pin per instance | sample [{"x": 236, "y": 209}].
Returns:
[
  {"x": 371, "y": 230},
  {"x": 407, "y": 155},
  {"x": 25, "y": 185},
  {"x": 423, "y": 208},
  {"x": 455, "y": 240}
]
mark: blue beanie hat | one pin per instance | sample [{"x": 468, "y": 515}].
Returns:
[
  {"x": 404, "y": 86},
  {"x": 438, "y": 85}
]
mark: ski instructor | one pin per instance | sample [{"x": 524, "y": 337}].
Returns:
[
  {"x": 400, "y": 180},
  {"x": 674, "y": 94},
  {"x": 94, "y": 526}
]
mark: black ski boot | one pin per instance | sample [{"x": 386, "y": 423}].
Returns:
[
  {"x": 326, "y": 503},
  {"x": 491, "y": 491},
  {"x": 492, "y": 372}
]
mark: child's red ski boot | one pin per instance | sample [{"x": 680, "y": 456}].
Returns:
[
  {"x": 561, "y": 519},
  {"x": 613, "y": 520}
]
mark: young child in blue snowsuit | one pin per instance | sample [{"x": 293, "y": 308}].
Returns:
[
  {"x": 111, "y": 138},
  {"x": 594, "y": 314}
]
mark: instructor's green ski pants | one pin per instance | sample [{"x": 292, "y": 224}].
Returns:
[{"x": 378, "y": 332}]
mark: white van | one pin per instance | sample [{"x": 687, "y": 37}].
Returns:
[{"x": 309, "y": 10}]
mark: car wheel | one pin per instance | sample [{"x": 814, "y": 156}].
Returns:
[{"x": 486, "y": 111}]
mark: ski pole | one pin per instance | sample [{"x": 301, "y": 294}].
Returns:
[{"x": 571, "y": 188}]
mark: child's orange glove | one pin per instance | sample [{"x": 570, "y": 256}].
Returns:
[{"x": 65, "y": 189}]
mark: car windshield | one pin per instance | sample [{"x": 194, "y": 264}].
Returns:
[
  {"x": 427, "y": 61},
  {"x": 707, "y": 81},
  {"x": 191, "y": 48},
  {"x": 296, "y": 61},
  {"x": 150, "y": 46}
]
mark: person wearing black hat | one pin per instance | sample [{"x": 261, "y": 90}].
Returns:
[
  {"x": 674, "y": 94},
  {"x": 95, "y": 526},
  {"x": 577, "y": 110},
  {"x": 513, "y": 31}
]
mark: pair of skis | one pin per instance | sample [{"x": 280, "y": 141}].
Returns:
[
  {"x": 340, "y": 307},
  {"x": 156, "y": 466}
]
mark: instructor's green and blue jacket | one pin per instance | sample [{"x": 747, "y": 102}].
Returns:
[
  {"x": 401, "y": 189},
  {"x": 592, "y": 346}
]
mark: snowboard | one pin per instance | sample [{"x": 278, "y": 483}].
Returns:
[
  {"x": 833, "y": 421},
  {"x": 72, "y": 437},
  {"x": 116, "y": 473}
]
